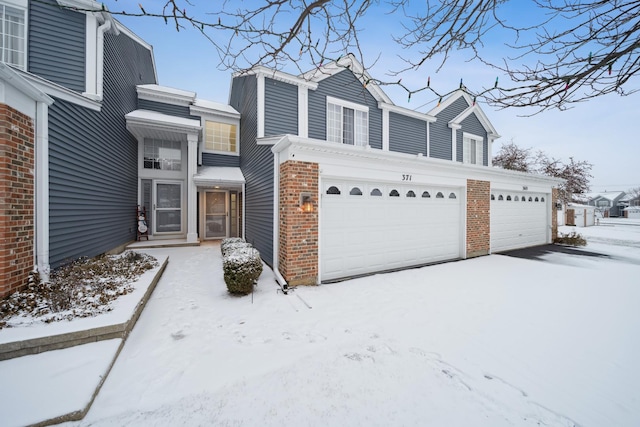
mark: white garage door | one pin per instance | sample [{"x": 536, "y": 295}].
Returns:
[
  {"x": 518, "y": 220},
  {"x": 369, "y": 227}
]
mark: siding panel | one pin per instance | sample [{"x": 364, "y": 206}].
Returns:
[
  {"x": 57, "y": 44},
  {"x": 256, "y": 163},
  {"x": 281, "y": 108},
  {"x": 214, "y": 159},
  {"x": 407, "y": 134},
  {"x": 440, "y": 133},
  {"x": 346, "y": 86},
  {"x": 93, "y": 160},
  {"x": 172, "y": 110}
]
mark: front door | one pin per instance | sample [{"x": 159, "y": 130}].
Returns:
[
  {"x": 216, "y": 215},
  {"x": 167, "y": 207}
]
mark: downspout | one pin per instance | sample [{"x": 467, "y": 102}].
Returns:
[
  {"x": 102, "y": 29},
  {"x": 42, "y": 190},
  {"x": 276, "y": 220}
]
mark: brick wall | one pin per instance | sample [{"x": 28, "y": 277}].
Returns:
[
  {"x": 554, "y": 214},
  {"x": 298, "y": 243},
  {"x": 478, "y": 218},
  {"x": 17, "y": 193}
]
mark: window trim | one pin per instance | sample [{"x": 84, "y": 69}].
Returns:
[
  {"x": 466, "y": 152},
  {"x": 22, "y": 5},
  {"x": 353, "y": 106}
]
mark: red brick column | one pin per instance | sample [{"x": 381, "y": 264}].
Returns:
[
  {"x": 17, "y": 195},
  {"x": 298, "y": 243},
  {"x": 478, "y": 218},
  {"x": 554, "y": 214}
]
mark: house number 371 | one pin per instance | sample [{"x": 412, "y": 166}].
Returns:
[{"x": 406, "y": 177}]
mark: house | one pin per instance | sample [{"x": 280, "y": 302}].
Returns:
[
  {"x": 580, "y": 215},
  {"x": 630, "y": 206},
  {"x": 607, "y": 203},
  {"x": 322, "y": 172}
]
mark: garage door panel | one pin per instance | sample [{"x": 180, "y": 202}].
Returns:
[
  {"x": 516, "y": 223},
  {"x": 365, "y": 234}
]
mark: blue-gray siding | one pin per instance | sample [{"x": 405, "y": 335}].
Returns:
[
  {"x": 407, "y": 134},
  {"x": 93, "y": 168},
  {"x": 472, "y": 125},
  {"x": 346, "y": 86},
  {"x": 164, "y": 108},
  {"x": 440, "y": 132},
  {"x": 280, "y": 108},
  {"x": 57, "y": 44},
  {"x": 214, "y": 159},
  {"x": 256, "y": 162}
]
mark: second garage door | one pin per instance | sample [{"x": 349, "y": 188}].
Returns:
[
  {"x": 368, "y": 227},
  {"x": 518, "y": 220}
]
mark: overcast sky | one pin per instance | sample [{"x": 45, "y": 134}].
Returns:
[{"x": 599, "y": 131}]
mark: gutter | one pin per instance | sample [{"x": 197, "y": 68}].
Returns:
[{"x": 276, "y": 217}]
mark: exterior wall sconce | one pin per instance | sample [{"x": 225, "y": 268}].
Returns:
[{"x": 306, "y": 202}]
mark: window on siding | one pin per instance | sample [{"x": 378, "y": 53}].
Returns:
[
  {"x": 13, "y": 35},
  {"x": 472, "y": 149},
  {"x": 162, "y": 155},
  {"x": 347, "y": 123},
  {"x": 220, "y": 137}
]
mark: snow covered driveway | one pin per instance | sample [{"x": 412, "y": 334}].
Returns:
[{"x": 492, "y": 341}]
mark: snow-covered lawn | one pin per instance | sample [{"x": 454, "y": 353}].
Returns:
[{"x": 492, "y": 341}]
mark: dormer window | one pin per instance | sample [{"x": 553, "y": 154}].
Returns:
[
  {"x": 472, "y": 149},
  {"x": 13, "y": 35},
  {"x": 347, "y": 122}
]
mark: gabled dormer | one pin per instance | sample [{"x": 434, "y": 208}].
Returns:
[{"x": 462, "y": 132}]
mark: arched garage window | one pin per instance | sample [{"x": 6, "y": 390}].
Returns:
[
  {"x": 493, "y": 197},
  {"x": 508, "y": 198},
  {"x": 410, "y": 193},
  {"x": 542, "y": 199},
  {"x": 500, "y": 197},
  {"x": 355, "y": 191},
  {"x": 426, "y": 195},
  {"x": 376, "y": 192},
  {"x": 439, "y": 195},
  {"x": 452, "y": 195},
  {"x": 333, "y": 190},
  {"x": 516, "y": 199},
  {"x": 394, "y": 193}
]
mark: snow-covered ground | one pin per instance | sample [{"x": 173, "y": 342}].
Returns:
[{"x": 492, "y": 341}]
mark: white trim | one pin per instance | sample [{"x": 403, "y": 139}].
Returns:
[
  {"x": 348, "y": 104},
  {"x": 91, "y": 55},
  {"x": 276, "y": 211},
  {"x": 428, "y": 139},
  {"x": 385, "y": 129},
  {"x": 484, "y": 120},
  {"x": 192, "y": 190},
  {"x": 454, "y": 140},
  {"x": 406, "y": 112},
  {"x": 476, "y": 138},
  {"x": 277, "y": 75},
  {"x": 303, "y": 111},
  {"x": 260, "y": 98},
  {"x": 24, "y": 7},
  {"x": 136, "y": 38},
  {"x": 450, "y": 100},
  {"x": 351, "y": 105},
  {"x": 168, "y": 95},
  {"x": 202, "y": 111}
]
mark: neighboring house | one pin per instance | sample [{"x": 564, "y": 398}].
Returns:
[
  {"x": 629, "y": 206},
  {"x": 321, "y": 172},
  {"x": 607, "y": 203}
]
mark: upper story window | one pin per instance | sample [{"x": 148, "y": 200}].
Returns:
[
  {"x": 13, "y": 35},
  {"x": 472, "y": 149},
  {"x": 162, "y": 155},
  {"x": 220, "y": 137},
  {"x": 603, "y": 203},
  {"x": 347, "y": 122}
]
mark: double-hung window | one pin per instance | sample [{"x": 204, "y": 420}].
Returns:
[
  {"x": 472, "y": 149},
  {"x": 13, "y": 35},
  {"x": 347, "y": 122}
]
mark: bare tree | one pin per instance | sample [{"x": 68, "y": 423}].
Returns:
[
  {"x": 576, "y": 174},
  {"x": 514, "y": 158},
  {"x": 564, "y": 51}
]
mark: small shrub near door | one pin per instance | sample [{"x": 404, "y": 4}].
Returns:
[
  {"x": 242, "y": 266},
  {"x": 231, "y": 243}
]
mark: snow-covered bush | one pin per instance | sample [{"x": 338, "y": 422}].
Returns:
[
  {"x": 242, "y": 266},
  {"x": 570, "y": 239},
  {"x": 232, "y": 243}
]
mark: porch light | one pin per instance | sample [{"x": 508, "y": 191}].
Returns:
[{"x": 306, "y": 202}]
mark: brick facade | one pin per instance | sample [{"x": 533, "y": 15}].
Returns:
[
  {"x": 478, "y": 218},
  {"x": 17, "y": 199},
  {"x": 298, "y": 243},
  {"x": 555, "y": 194}
]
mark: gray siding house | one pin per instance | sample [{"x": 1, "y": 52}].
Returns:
[{"x": 322, "y": 172}]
